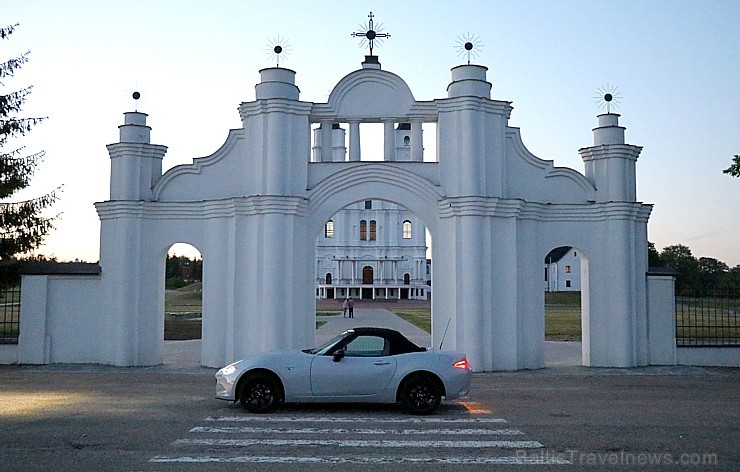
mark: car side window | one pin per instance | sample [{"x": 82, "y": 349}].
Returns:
[{"x": 367, "y": 346}]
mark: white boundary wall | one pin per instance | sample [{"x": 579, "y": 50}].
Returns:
[{"x": 68, "y": 333}]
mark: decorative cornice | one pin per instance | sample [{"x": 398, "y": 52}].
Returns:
[
  {"x": 155, "y": 151},
  {"x": 495, "y": 207},
  {"x": 610, "y": 151},
  {"x": 468, "y": 103},
  {"x": 231, "y": 207},
  {"x": 274, "y": 105}
]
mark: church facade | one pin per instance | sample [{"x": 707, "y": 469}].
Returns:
[{"x": 372, "y": 250}]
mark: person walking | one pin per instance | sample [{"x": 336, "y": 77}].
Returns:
[
  {"x": 345, "y": 306},
  {"x": 351, "y": 306}
]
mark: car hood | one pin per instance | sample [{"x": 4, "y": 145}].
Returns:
[{"x": 267, "y": 359}]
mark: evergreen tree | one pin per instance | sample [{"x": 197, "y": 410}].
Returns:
[
  {"x": 734, "y": 169},
  {"x": 22, "y": 224}
]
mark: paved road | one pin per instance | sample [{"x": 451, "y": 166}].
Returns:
[
  {"x": 561, "y": 418},
  {"x": 116, "y": 419}
]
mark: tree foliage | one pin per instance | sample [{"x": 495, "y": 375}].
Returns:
[
  {"x": 22, "y": 223},
  {"x": 707, "y": 275},
  {"x": 734, "y": 169}
]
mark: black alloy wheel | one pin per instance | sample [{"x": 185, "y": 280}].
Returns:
[
  {"x": 260, "y": 393},
  {"x": 421, "y": 394}
]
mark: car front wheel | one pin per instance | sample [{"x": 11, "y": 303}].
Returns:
[
  {"x": 259, "y": 393},
  {"x": 421, "y": 394}
]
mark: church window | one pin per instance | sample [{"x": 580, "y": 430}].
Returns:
[
  {"x": 567, "y": 283},
  {"x": 329, "y": 229},
  {"x": 368, "y": 204},
  {"x": 406, "y": 279},
  {"x": 406, "y": 141},
  {"x": 363, "y": 230},
  {"x": 373, "y": 226},
  {"x": 328, "y": 278},
  {"x": 567, "y": 269},
  {"x": 407, "y": 229}
]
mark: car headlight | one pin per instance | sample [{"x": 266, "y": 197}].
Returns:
[{"x": 228, "y": 370}]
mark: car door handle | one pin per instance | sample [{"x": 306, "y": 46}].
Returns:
[{"x": 381, "y": 363}]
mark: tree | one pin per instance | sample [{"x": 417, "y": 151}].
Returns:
[
  {"x": 679, "y": 258},
  {"x": 711, "y": 273},
  {"x": 734, "y": 169},
  {"x": 654, "y": 259},
  {"x": 22, "y": 223}
]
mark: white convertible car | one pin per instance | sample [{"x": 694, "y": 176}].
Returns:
[{"x": 365, "y": 365}]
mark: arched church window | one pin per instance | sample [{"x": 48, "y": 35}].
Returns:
[
  {"x": 363, "y": 230},
  {"x": 407, "y": 229},
  {"x": 406, "y": 141},
  {"x": 329, "y": 229},
  {"x": 373, "y": 226},
  {"x": 406, "y": 279},
  {"x": 328, "y": 278}
]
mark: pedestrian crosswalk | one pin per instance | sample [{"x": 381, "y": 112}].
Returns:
[{"x": 455, "y": 438}]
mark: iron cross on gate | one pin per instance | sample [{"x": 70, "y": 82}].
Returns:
[{"x": 370, "y": 34}]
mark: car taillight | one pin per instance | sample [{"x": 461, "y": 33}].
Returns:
[{"x": 462, "y": 364}]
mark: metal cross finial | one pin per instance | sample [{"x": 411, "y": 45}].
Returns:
[{"x": 371, "y": 34}]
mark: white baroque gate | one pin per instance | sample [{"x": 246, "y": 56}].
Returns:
[{"x": 255, "y": 206}]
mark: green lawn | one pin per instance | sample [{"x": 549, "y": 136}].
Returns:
[{"x": 562, "y": 316}]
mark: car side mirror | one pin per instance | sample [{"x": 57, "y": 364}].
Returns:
[{"x": 338, "y": 355}]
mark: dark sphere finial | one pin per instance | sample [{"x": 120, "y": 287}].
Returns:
[
  {"x": 469, "y": 46},
  {"x": 136, "y": 95}
]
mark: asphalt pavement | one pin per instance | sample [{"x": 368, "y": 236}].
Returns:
[{"x": 562, "y": 417}]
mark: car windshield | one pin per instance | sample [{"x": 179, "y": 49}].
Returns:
[{"x": 325, "y": 347}]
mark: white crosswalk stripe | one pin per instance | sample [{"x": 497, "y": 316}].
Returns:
[
  {"x": 279, "y": 439},
  {"x": 384, "y": 432}
]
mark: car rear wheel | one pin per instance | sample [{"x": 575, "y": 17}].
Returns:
[
  {"x": 260, "y": 393},
  {"x": 421, "y": 394}
]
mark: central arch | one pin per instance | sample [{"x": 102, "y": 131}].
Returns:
[{"x": 396, "y": 183}]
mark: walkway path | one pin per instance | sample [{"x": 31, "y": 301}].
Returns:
[{"x": 370, "y": 317}]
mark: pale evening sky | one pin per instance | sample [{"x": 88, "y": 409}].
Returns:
[{"x": 676, "y": 65}]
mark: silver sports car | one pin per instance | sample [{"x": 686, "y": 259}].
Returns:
[{"x": 366, "y": 365}]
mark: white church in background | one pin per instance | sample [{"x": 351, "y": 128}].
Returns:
[{"x": 372, "y": 250}]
